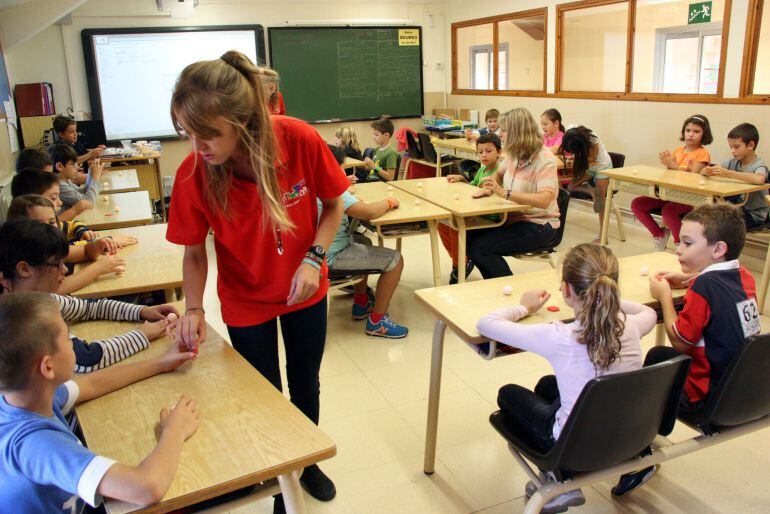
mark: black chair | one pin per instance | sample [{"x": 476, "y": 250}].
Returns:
[
  {"x": 369, "y": 152},
  {"x": 583, "y": 193},
  {"x": 412, "y": 147},
  {"x": 615, "y": 417},
  {"x": 618, "y": 159},
  {"x": 741, "y": 395},
  {"x": 547, "y": 251}
]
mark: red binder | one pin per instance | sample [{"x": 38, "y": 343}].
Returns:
[{"x": 34, "y": 99}]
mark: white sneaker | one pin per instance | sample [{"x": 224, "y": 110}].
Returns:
[{"x": 661, "y": 242}]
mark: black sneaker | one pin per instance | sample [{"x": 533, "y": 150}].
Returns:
[
  {"x": 631, "y": 481},
  {"x": 318, "y": 485},
  {"x": 278, "y": 506},
  {"x": 453, "y": 277}
]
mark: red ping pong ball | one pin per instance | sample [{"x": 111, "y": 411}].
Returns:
[{"x": 553, "y": 308}]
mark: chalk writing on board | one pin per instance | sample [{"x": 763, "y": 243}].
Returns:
[{"x": 366, "y": 68}]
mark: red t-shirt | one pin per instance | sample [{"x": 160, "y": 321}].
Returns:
[
  {"x": 280, "y": 107},
  {"x": 254, "y": 278}
]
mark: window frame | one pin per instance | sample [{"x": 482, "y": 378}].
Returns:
[
  {"x": 488, "y": 49},
  {"x": 494, "y": 20},
  {"x": 700, "y": 31},
  {"x": 750, "y": 51},
  {"x": 628, "y": 93}
]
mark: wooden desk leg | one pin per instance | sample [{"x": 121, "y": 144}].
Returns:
[
  {"x": 462, "y": 235},
  {"x": 607, "y": 210},
  {"x": 434, "y": 395},
  {"x": 438, "y": 163},
  {"x": 433, "y": 224},
  {"x": 170, "y": 295},
  {"x": 660, "y": 334},
  {"x": 161, "y": 192},
  {"x": 398, "y": 244},
  {"x": 763, "y": 282},
  {"x": 292, "y": 492}
]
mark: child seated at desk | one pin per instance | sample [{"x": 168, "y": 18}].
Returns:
[
  {"x": 65, "y": 166},
  {"x": 491, "y": 118},
  {"x": 604, "y": 339},
  {"x": 488, "y": 148},
  {"x": 46, "y": 184},
  {"x": 692, "y": 157},
  {"x": 34, "y": 158},
  {"x": 32, "y": 259},
  {"x": 346, "y": 139},
  {"x": 66, "y": 129},
  {"x": 383, "y": 165},
  {"x": 352, "y": 254},
  {"x": 720, "y": 308},
  {"x": 45, "y": 468},
  {"x": 37, "y": 208},
  {"x": 553, "y": 129},
  {"x": 746, "y": 167}
]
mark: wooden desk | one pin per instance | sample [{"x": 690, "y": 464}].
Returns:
[
  {"x": 352, "y": 163},
  {"x": 123, "y": 181},
  {"x": 249, "y": 432},
  {"x": 151, "y": 264},
  {"x": 134, "y": 210},
  {"x": 407, "y": 212},
  {"x": 147, "y": 168},
  {"x": 765, "y": 279},
  {"x": 670, "y": 185},
  {"x": 460, "y": 307},
  {"x": 459, "y": 147},
  {"x": 465, "y": 210}
]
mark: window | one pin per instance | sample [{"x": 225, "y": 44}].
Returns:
[
  {"x": 482, "y": 68},
  {"x": 518, "y": 39},
  {"x": 677, "y": 46},
  {"x": 756, "y": 79},
  {"x": 593, "y": 47}
]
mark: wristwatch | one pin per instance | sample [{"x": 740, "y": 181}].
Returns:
[{"x": 317, "y": 251}]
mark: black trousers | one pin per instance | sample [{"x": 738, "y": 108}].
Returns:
[
  {"x": 304, "y": 338},
  {"x": 486, "y": 247},
  {"x": 534, "y": 412}
]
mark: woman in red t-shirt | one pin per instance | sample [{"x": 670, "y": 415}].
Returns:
[
  {"x": 274, "y": 97},
  {"x": 254, "y": 180}
]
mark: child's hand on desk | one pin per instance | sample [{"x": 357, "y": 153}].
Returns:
[
  {"x": 182, "y": 419},
  {"x": 481, "y": 192},
  {"x": 659, "y": 287},
  {"x": 153, "y": 329},
  {"x": 124, "y": 240},
  {"x": 455, "y": 178},
  {"x": 352, "y": 178},
  {"x": 110, "y": 264},
  {"x": 675, "y": 279},
  {"x": 158, "y": 312},
  {"x": 714, "y": 171},
  {"x": 89, "y": 235},
  {"x": 105, "y": 246},
  {"x": 190, "y": 330},
  {"x": 369, "y": 163},
  {"x": 492, "y": 185},
  {"x": 534, "y": 299}
]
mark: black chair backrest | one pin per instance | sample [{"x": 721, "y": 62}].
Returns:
[
  {"x": 618, "y": 415},
  {"x": 562, "y": 200},
  {"x": 428, "y": 151},
  {"x": 369, "y": 152},
  {"x": 412, "y": 147},
  {"x": 618, "y": 159},
  {"x": 743, "y": 392}
]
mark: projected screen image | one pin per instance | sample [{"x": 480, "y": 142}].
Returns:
[{"x": 132, "y": 75}]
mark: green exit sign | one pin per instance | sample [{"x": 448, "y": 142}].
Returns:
[{"x": 699, "y": 13}]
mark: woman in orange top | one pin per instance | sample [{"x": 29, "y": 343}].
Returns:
[{"x": 692, "y": 157}]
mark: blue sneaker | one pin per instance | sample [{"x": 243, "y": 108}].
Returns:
[
  {"x": 361, "y": 312},
  {"x": 385, "y": 328}
]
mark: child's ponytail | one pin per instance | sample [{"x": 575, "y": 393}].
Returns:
[{"x": 592, "y": 272}]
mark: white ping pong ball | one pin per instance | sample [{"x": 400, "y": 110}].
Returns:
[
  {"x": 507, "y": 290},
  {"x": 419, "y": 184},
  {"x": 644, "y": 271},
  {"x": 106, "y": 184},
  {"x": 457, "y": 196},
  {"x": 105, "y": 198},
  {"x": 120, "y": 173},
  {"x": 117, "y": 209},
  {"x": 172, "y": 317},
  {"x": 417, "y": 201},
  {"x": 701, "y": 182},
  {"x": 390, "y": 188}
]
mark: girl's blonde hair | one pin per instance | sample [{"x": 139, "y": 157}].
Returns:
[
  {"x": 592, "y": 272},
  {"x": 230, "y": 88},
  {"x": 268, "y": 77},
  {"x": 348, "y": 138},
  {"x": 523, "y": 135}
]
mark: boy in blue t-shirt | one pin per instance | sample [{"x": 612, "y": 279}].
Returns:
[{"x": 44, "y": 467}]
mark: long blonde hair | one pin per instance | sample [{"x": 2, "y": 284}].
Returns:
[
  {"x": 230, "y": 88},
  {"x": 348, "y": 138},
  {"x": 592, "y": 272},
  {"x": 523, "y": 135}
]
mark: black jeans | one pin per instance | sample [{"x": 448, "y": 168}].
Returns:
[
  {"x": 534, "y": 412},
  {"x": 659, "y": 354},
  {"x": 486, "y": 247},
  {"x": 304, "y": 338}
]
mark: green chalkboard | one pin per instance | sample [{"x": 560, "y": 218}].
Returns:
[{"x": 348, "y": 73}]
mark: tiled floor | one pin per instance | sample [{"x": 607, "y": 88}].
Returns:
[{"x": 374, "y": 399}]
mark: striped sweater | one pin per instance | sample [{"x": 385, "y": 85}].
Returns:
[{"x": 105, "y": 352}]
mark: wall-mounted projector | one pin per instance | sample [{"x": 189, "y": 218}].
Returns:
[{"x": 177, "y": 8}]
